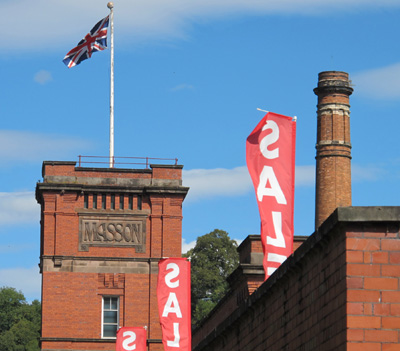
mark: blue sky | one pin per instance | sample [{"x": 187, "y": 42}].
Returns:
[{"x": 189, "y": 76}]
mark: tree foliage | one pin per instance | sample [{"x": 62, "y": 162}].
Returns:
[
  {"x": 213, "y": 259},
  {"x": 19, "y": 321}
]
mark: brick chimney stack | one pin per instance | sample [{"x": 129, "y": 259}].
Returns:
[{"x": 333, "y": 172}]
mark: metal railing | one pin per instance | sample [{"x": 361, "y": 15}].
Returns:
[{"x": 106, "y": 161}]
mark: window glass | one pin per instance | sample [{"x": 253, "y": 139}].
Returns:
[
  {"x": 107, "y": 303},
  {"x": 110, "y": 316},
  {"x": 114, "y": 303},
  {"x": 110, "y": 331}
]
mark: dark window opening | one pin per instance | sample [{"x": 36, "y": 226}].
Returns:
[
  {"x": 113, "y": 202},
  {"x": 131, "y": 202}
]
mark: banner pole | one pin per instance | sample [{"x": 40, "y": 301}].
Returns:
[{"x": 110, "y": 5}]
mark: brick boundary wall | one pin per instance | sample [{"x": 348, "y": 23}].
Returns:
[
  {"x": 338, "y": 291},
  {"x": 373, "y": 294}
]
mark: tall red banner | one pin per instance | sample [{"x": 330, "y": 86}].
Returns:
[
  {"x": 270, "y": 156},
  {"x": 131, "y": 338},
  {"x": 173, "y": 294}
]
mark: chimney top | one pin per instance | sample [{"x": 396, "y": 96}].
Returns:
[{"x": 330, "y": 82}]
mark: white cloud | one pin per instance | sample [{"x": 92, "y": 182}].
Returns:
[
  {"x": 18, "y": 207},
  {"x": 216, "y": 182},
  {"x": 187, "y": 246},
  {"x": 43, "y": 77},
  {"x": 183, "y": 87},
  {"x": 367, "y": 173},
  {"x": 48, "y": 22},
  {"x": 238, "y": 241},
  {"x": 206, "y": 183},
  {"x": 305, "y": 175},
  {"x": 222, "y": 182},
  {"x": 379, "y": 83},
  {"x": 26, "y": 280},
  {"x": 17, "y": 146}
]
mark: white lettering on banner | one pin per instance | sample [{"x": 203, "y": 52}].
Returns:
[
  {"x": 177, "y": 337},
  {"x": 268, "y": 175},
  {"x": 268, "y": 178},
  {"x": 279, "y": 241},
  {"x": 171, "y": 275},
  {"x": 172, "y": 306},
  {"x": 273, "y": 257},
  {"x": 270, "y": 160},
  {"x": 131, "y": 337},
  {"x": 270, "y": 139}
]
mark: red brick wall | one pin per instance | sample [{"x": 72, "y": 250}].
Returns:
[
  {"x": 338, "y": 291},
  {"x": 373, "y": 296},
  {"x": 74, "y": 282},
  {"x": 296, "y": 311}
]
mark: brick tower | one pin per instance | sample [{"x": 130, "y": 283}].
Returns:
[
  {"x": 333, "y": 172},
  {"x": 103, "y": 231}
]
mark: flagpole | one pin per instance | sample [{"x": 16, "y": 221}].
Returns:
[{"x": 110, "y": 5}]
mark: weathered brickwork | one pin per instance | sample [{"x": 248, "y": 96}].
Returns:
[
  {"x": 243, "y": 282},
  {"x": 338, "y": 291},
  {"x": 333, "y": 171},
  {"x": 373, "y": 296},
  {"x": 103, "y": 232}
]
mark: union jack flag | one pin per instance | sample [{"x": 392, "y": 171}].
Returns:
[{"x": 95, "y": 40}]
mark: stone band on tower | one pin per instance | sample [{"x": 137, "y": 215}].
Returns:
[{"x": 333, "y": 160}]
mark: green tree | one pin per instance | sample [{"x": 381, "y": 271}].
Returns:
[
  {"x": 213, "y": 259},
  {"x": 19, "y": 321}
]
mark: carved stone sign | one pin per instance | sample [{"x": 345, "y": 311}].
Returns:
[{"x": 112, "y": 231}]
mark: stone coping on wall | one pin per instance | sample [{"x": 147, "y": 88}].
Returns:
[
  {"x": 111, "y": 340},
  {"x": 108, "y": 169}
]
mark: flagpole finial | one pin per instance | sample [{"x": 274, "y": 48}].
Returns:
[{"x": 110, "y": 5}]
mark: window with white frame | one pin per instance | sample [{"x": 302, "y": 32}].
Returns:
[{"x": 110, "y": 317}]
